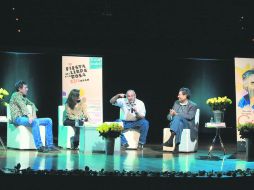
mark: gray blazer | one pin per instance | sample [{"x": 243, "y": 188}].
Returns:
[{"x": 189, "y": 115}]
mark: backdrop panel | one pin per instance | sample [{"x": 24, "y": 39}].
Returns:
[
  {"x": 84, "y": 73},
  {"x": 244, "y": 80}
]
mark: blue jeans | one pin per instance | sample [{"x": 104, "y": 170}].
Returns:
[
  {"x": 47, "y": 122},
  {"x": 143, "y": 126},
  {"x": 177, "y": 125}
]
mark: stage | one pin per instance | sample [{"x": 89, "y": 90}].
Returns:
[
  {"x": 151, "y": 158},
  {"x": 150, "y": 168}
]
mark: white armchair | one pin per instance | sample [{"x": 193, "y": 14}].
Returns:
[
  {"x": 186, "y": 144},
  {"x": 131, "y": 135},
  {"x": 20, "y": 137},
  {"x": 89, "y": 139},
  {"x": 65, "y": 133}
]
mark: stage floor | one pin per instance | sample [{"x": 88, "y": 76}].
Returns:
[{"x": 152, "y": 158}]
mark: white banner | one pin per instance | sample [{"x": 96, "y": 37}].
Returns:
[
  {"x": 244, "y": 85},
  {"x": 85, "y": 74}
]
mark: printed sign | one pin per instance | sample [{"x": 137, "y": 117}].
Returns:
[{"x": 85, "y": 74}]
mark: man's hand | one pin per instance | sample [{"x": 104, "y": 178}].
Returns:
[
  {"x": 113, "y": 99},
  {"x": 172, "y": 112},
  {"x": 30, "y": 118},
  {"x": 135, "y": 110},
  {"x": 121, "y": 95},
  {"x": 138, "y": 116}
]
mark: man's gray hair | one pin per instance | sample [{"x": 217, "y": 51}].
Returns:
[{"x": 130, "y": 91}]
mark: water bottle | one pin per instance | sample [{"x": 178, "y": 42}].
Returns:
[
  {"x": 76, "y": 123},
  {"x": 211, "y": 120}
]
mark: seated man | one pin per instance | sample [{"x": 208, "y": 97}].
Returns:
[
  {"x": 20, "y": 116},
  {"x": 181, "y": 116},
  {"x": 134, "y": 112}
]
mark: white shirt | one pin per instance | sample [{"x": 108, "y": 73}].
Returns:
[
  {"x": 125, "y": 107},
  {"x": 184, "y": 104}
]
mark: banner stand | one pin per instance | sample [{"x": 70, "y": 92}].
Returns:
[
  {"x": 244, "y": 89},
  {"x": 85, "y": 74}
]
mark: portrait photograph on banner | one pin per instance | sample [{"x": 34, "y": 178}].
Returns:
[
  {"x": 84, "y": 74},
  {"x": 244, "y": 85}
]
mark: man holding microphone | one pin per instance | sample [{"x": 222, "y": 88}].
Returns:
[{"x": 134, "y": 115}]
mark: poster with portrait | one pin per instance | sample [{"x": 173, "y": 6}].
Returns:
[
  {"x": 244, "y": 85},
  {"x": 85, "y": 74}
]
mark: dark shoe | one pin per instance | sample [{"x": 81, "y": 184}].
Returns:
[
  {"x": 176, "y": 149},
  {"x": 53, "y": 148},
  {"x": 126, "y": 145},
  {"x": 42, "y": 149},
  {"x": 168, "y": 143},
  {"x": 74, "y": 145},
  {"x": 140, "y": 146}
]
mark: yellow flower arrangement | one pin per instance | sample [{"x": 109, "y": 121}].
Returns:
[
  {"x": 219, "y": 103},
  {"x": 3, "y": 94},
  {"x": 107, "y": 130}
]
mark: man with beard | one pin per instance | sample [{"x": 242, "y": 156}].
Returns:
[
  {"x": 134, "y": 113},
  {"x": 248, "y": 85}
]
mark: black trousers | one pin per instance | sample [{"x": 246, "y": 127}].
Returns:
[{"x": 70, "y": 122}]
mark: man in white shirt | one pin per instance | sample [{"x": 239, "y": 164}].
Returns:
[{"x": 134, "y": 115}]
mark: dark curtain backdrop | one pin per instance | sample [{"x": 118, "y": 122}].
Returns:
[
  {"x": 42, "y": 72},
  {"x": 156, "y": 78}
]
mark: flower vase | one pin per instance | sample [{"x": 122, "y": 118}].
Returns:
[
  {"x": 109, "y": 145},
  {"x": 218, "y": 116},
  {"x": 250, "y": 149}
]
